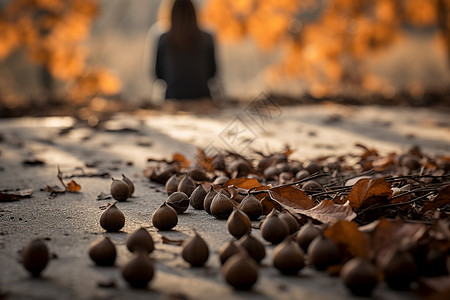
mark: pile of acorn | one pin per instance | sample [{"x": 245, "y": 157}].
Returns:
[{"x": 241, "y": 255}]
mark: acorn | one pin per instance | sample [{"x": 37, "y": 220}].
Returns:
[
  {"x": 186, "y": 185},
  {"x": 311, "y": 186},
  {"x": 285, "y": 177},
  {"x": 195, "y": 251},
  {"x": 253, "y": 247},
  {"x": 306, "y": 235},
  {"x": 219, "y": 162},
  {"x": 251, "y": 206},
  {"x": 323, "y": 252},
  {"x": 288, "y": 257},
  {"x": 221, "y": 206},
  {"x": 238, "y": 223},
  {"x": 165, "y": 217},
  {"x": 290, "y": 221},
  {"x": 240, "y": 271},
  {"x": 274, "y": 229},
  {"x": 399, "y": 269},
  {"x": 271, "y": 172},
  {"x": 112, "y": 219},
  {"x": 208, "y": 199},
  {"x": 312, "y": 167},
  {"x": 220, "y": 180},
  {"x": 103, "y": 252},
  {"x": 198, "y": 197},
  {"x": 35, "y": 257},
  {"x": 360, "y": 276},
  {"x": 229, "y": 249},
  {"x": 172, "y": 184},
  {"x": 198, "y": 175},
  {"x": 140, "y": 239},
  {"x": 120, "y": 190},
  {"x": 130, "y": 184},
  {"x": 302, "y": 174},
  {"x": 178, "y": 201},
  {"x": 240, "y": 168},
  {"x": 139, "y": 270}
]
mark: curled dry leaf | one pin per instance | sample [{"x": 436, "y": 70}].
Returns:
[
  {"x": 389, "y": 234},
  {"x": 73, "y": 187},
  {"x": 326, "y": 212},
  {"x": 166, "y": 240},
  {"x": 269, "y": 204},
  {"x": 181, "y": 160},
  {"x": 9, "y": 196},
  {"x": 442, "y": 198},
  {"x": 367, "y": 192},
  {"x": 243, "y": 183},
  {"x": 350, "y": 241},
  {"x": 237, "y": 194},
  {"x": 291, "y": 196}
]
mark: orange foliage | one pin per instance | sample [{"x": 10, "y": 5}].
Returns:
[
  {"x": 52, "y": 32},
  {"x": 323, "y": 40}
]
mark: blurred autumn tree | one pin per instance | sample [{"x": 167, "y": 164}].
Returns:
[
  {"x": 52, "y": 32},
  {"x": 325, "y": 40}
]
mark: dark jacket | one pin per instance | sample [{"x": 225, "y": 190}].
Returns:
[{"x": 186, "y": 72}]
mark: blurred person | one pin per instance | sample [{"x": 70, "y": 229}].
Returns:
[{"x": 185, "y": 57}]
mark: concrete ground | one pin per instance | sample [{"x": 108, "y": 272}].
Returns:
[{"x": 70, "y": 222}]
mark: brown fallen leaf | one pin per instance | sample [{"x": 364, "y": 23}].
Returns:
[
  {"x": 107, "y": 284},
  {"x": 442, "y": 198},
  {"x": 269, "y": 204},
  {"x": 400, "y": 191},
  {"x": 73, "y": 187},
  {"x": 166, "y": 240},
  {"x": 291, "y": 196},
  {"x": 181, "y": 160},
  {"x": 389, "y": 234},
  {"x": 14, "y": 195},
  {"x": 236, "y": 193},
  {"x": 205, "y": 161},
  {"x": 243, "y": 183},
  {"x": 382, "y": 164},
  {"x": 350, "y": 240},
  {"x": 33, "y": 162},
  {"x": 367, "y": 192},
  {"x": 326, "y": 212},
  {"x": 103, "y": 196}
]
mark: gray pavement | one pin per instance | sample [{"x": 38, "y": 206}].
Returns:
[{"x": 70, "y": 222}]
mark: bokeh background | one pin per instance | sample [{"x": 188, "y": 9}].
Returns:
[{"x": 77, "y": 50}]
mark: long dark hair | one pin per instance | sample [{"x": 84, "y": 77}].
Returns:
[{"x": 184, "y": 28}]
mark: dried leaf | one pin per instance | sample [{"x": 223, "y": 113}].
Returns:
[
  {"x": 269, "y": 204},
  {"x": 107, "y": 284},
  {"x": 399, "y": 191},
  {"x": 103, "y": 196},
  {"x": 382, "y": 164},
  {"x": 181, "y": 160},
  {"x": 350, "y": 240},
  {"x": 204, "y": 160},
  {"x": 5, "y": 197},
  {"x": 390, "y": 233},
  {"x": 291, "y": 196},
  {"x": 243, "y": 183},
  {"x": 326, "y": 212},
  {"x": 33, "y": 162},
  {"x": 260, "y": 196},
  {"x": 73, "y": 187},
  {"x": 236, "y": 193},
  {"x": 166, "y": 240},
  {"x": 442, "y": 198},
  {"x": 367, "y": 192}
]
